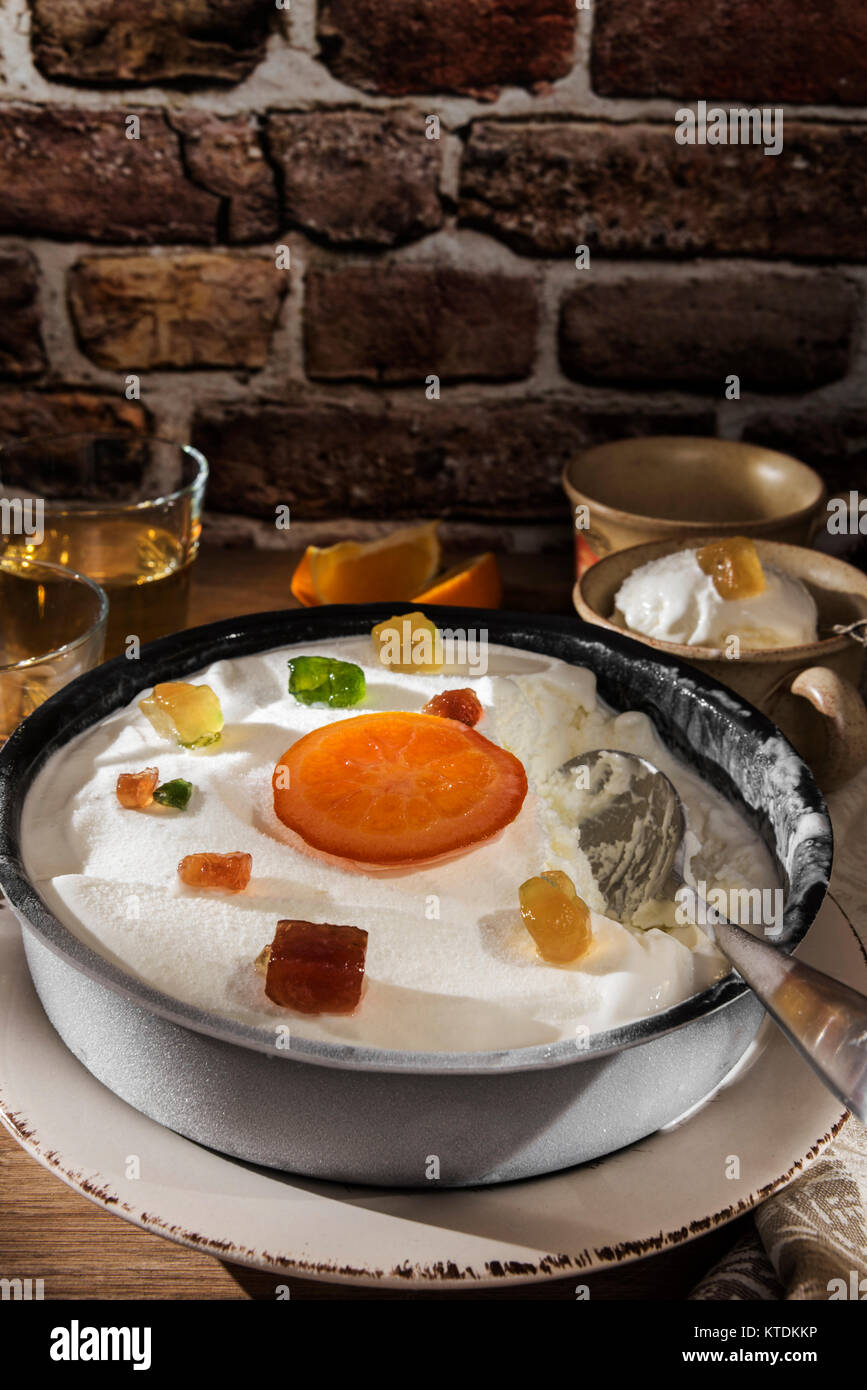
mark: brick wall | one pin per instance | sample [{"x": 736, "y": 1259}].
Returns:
[{"x": 268, "y": 133}]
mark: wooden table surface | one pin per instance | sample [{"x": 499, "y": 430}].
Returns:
[{"x": 82, "y": 1251}]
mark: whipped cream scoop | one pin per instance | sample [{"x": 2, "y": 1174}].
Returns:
[{"x": 672, "y": 599}]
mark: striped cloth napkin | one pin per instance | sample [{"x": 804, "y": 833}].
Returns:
[{"x": 809, "y": 1241}]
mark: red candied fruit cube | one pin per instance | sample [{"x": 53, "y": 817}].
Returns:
[
  {"x": 227, "y": 871},
  {"x": 463, "y": 705},
  {"x": 135, "y": 790},
  {"x": 316, "y": 968}
]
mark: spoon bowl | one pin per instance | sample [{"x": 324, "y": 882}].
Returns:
[{"x": 632, "y": 826}]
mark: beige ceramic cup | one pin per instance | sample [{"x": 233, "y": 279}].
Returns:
[
  {"x": 810, "y": 691},
  {"x": 638, "y": 490}
]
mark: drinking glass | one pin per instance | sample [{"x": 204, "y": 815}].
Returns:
[
  {"x": 124, "y": 509},
  {"x": 52, "y": 628}
]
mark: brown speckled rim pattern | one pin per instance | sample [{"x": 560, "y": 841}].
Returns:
[
  {"x": 723, "y": 738},
  {"x": 449, "y": 1275}
]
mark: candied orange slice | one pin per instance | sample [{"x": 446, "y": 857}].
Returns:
[
  {"x": 475, "y": 582},
  {"x": 734, "y": 566},
  {"x": 556, "y": 918},
  {"x": 230, "y": 872},
  {"x": 397, "y": 788},
  {"x": 463, "y": 705},
  {"x": 316, "y": 968},
  {"x": 397, "y": 566},
  {"x": 135, "y": 790}
]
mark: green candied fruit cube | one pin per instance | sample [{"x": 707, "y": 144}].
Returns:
[
  {"x": 323, "y": 680},
  {"x": 175, "y": 794}
]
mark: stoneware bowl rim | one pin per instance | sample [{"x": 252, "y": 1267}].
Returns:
[
  {"x": 89, "y": 698},
  {"x": 644, "y": 521},
  {"x": 804, "y": 652}
]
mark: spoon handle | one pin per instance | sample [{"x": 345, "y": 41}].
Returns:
[{"x": 825, "y": 1019}]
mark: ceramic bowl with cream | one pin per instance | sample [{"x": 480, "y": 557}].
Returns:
[
  {"x": 465, "y": 1043},
  {"x": 788, "y": 661}
]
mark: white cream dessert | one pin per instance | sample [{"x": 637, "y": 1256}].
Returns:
[
  {"x": 450, "y": 965},
  {"x": 674, "y": 600}
]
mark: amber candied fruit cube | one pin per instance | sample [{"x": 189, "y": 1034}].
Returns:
[
  {"x": 135, "y": 790},
  {"x": 409, "y": 642},
  {"x": 558, "y": 879},
  {"x": 463, "y": 705},
  {"x": 734, "y": 566},
  {"x": 228, "y": 871},
  {"x": 316, "y": 968},
  {"x": 557, "y": 919},
  {"x": 189, "y": 714}
]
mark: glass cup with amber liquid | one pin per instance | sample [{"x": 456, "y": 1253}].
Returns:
[
  {"x": 124, "y": 509},
  {"x": 52, "y": 629}
]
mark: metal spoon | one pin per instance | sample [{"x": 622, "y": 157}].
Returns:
[{"x": 632, "y": 826}]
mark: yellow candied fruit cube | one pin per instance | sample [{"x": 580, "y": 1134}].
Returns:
[
  {"x": 556, "y": 917},
  {"x": 409, "y": 642},
  {"x": 734, "y": 566},
  {"x": 190, "y": 714}
]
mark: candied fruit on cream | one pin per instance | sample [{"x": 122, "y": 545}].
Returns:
[
  {"x": 396, "y": 788},
  {"x": 189, "y": 714},
  {"x": 135, "y": 790},
  {"x": 409, "y": 642},
  {"x": 316, "y": 968},
  {"x": 175, "y": 794},
  {"x": 323, "y": 680},
  {"x": 734, "y": 566},
  {"x": 231, "y": 872},
  {"x": 463, "y": 705},
  {"x": 556, "y": 917},
  {"x": 558, "y": 879}
]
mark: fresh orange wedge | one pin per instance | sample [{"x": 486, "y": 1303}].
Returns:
[
  {"x": 476, "y": 583},
  {"x": 302, "y": 581},
  {"x": 396, "y": 566},
  {"x": 398, "y": 788}
]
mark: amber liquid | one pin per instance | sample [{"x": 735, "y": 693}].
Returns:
[
  {"x": 144, "y": 570},
  {"x": 47, "y": 638},
  {"x": 20, "y": 695}
]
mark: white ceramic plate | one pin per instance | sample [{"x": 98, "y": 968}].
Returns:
[{"x": 772, "y": 1115}]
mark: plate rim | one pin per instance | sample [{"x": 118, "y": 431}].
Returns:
[{"x": 97, "y": 1190}]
